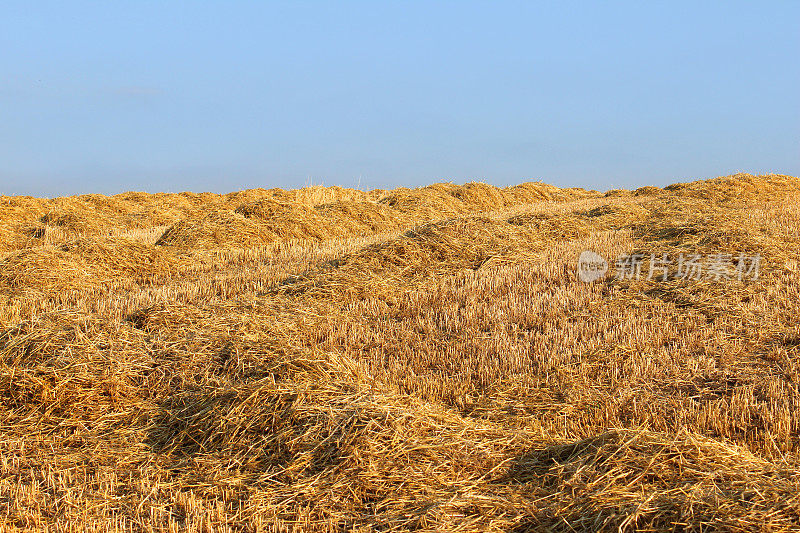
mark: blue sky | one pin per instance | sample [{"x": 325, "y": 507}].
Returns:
[{"x": 221, "y": 96}]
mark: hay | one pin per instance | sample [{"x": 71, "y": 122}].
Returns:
[
  {"x": 290, "y": 220},
  {"x": 647, "y": 190},
  {"x": 553, "y": 226},
  {"x": 350, "y": 219},
  {"x": 426, "y": 252},
  {"x": 270, "y": 220},
  {"x": 707, "y": 223},
  {"x": 737, "y": 188},
  {"x": 78, "y": 222},
  {"x": 531, "y": 192},
  {"x": 426, "y": 203},
  {"x": 417, "y": 359},
  {"x": 216, "y": 229},
  {"x": 642, "y": 481},
  {"x": 616, "y": 193},
  {"x": 15, "y": 236},
  {"x": 444, "y": 200},
  {"x": 197, "y": 219},
  {"x": 287, "y": 220},
  {"x": 318, "y": 194},
  {"x": 83, "y": 264},
  {"x": 617, "y": 216}
]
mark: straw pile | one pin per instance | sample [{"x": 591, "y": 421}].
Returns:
[
  {"x": 27, "y": 222},
  {"x": 362, "y": 218},
  {"x": 283, "y": 216},
  {"x": 418, "y": 359},
  {"x": 647, "y": 190},
  {"x": 643, "y": 481},
  {"x": 84, "y": 264},
  {"x": 215, "y": 229},
  {"x": 267, "y": 221},
  {"x": 737, "y": 187},
  {"x": 444, "y": 200},
  {"x": 428, "y": 251},
  {"x": 290, "y": 220}
]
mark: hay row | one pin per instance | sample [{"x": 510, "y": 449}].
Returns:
[{"x": 450, "y": 374}]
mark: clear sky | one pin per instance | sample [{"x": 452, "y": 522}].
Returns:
[{"x": 220, "y": 96}]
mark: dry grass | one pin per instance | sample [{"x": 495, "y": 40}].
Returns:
[{"x": 328, "y": 359}]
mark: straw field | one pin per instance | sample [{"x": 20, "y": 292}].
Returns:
[{"x": 326, "y": 359}]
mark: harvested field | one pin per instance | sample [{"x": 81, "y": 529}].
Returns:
[{"x": 328, "y": 359}]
